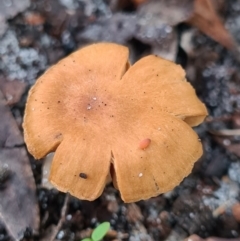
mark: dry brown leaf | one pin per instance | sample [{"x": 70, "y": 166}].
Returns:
[
  {"x": 18, "y": 204},
  {"x": 206, "y": 19}
]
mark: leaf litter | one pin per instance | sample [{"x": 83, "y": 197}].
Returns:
[{"x": 17, "y": 186}]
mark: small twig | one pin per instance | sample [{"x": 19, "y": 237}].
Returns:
[
  {"x": 222, "y": 208},
  {"x": 226, "y": 132},
  {"x": 211, "y": 119},
  {"x": 54, "y": 231}
]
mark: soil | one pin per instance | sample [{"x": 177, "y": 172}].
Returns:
[{"x": 45, "y": 31}]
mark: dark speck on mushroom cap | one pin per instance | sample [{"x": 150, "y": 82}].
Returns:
[{"x": 83, "y": 175}]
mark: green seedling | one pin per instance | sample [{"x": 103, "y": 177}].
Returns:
[{"x": 99, "y": 232}]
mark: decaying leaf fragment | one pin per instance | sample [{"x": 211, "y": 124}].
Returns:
[
  {"x": 94, "y": 109},
  {"x": 18, "y": 203},
  {"x": 206, "y": 19}
]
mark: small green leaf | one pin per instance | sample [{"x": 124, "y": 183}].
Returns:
[
  {"x": 100, "y": 231},
  {"x": 87, "y": 239}
]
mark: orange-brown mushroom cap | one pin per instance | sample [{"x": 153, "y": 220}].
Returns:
[{"x": 97, "y": 112}]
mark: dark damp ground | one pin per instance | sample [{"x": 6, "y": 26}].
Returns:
[{"x": 42, "y": 32}]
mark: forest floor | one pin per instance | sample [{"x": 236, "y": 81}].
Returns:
[{"x": 36, "y": 34}]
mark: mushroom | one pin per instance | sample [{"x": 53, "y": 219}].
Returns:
[{"x": 100, "y": 115}]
